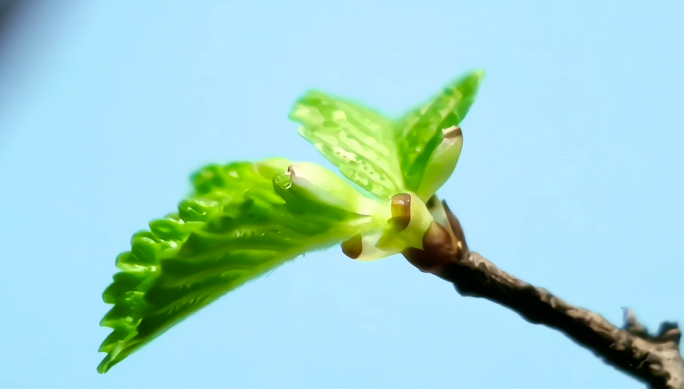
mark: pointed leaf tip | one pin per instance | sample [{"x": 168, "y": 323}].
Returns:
[{"x": 420, "y": 133}]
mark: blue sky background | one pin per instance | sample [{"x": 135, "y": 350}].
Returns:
[{"x": 570, "y": 178}]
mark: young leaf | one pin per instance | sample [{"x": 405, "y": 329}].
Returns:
[
  {"x": 442, "y": 162},
  {"x": 421, "y": 130},
  {"x": 410, "y": 220},
  {"x": 359, "y": 141},
  {"x": 313, "y": 183},
  {"x": 234, "y": 229}
]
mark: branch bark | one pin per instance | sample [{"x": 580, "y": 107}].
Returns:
[{"x": 651, "y": 358}]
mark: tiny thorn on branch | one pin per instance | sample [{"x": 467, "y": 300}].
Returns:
[
  {"x": 632, "y": 325},
  {"x": 651, "y": 358}
]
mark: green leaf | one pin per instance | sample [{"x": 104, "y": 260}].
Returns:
[
  {"x": 313, "y": 184},
  {"x": 359, "y": 141},
  {"x": 234, "y": 229},
  {"x": 442, "y": 162},
  {"x": 396, "y": 239},
  {"x": 421, "y": 130}
]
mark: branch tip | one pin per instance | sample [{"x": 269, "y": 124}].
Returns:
[{"x": 655, "y": 360}]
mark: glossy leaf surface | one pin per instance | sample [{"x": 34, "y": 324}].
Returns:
[
  {"x": 356, "y": 139},
  {"x": 420, "y": 131},
  {"x": 233, "y": 229}
]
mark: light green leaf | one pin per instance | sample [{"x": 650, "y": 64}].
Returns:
[
  {"x": 442, "y": 162},
  {"x": 234, "y": 229},
  {"x": 396, "y": 240},
  {"x": 359, "y": 141},
  {"x": 421, "y": 130},
  {"x": 313, "y": 184},
  {"x": 410, "y": 220}
]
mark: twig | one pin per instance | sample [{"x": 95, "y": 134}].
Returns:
[{"x": 653, "y": 359}]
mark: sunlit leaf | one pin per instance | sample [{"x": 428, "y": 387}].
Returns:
[
  {"x": 235, "y": 228},
  {"x": 244, "y": 219},
  {"x": 442, "y": 162},
  {"x": 359, "y": 141},
  {"x": 421, "y": 130}
]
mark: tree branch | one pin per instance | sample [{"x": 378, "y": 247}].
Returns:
[{"x": 653, "y": 359}]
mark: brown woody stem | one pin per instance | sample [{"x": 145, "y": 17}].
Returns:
[{"x": 653, "y": 359}]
